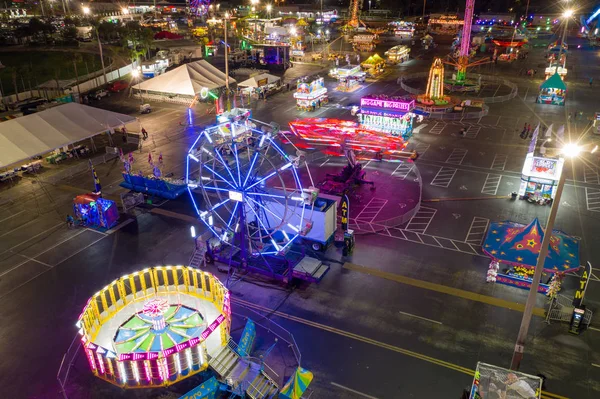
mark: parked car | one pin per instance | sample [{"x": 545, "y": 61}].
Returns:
[
  {"x": 118, "y": 86},
  {"x": 100, "y": 94}
]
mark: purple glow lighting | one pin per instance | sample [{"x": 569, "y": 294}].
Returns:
[{"x": 387, "y": 104}]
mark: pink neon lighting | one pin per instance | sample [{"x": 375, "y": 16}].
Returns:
[
  {"x": 100, "y": 363},
  {"x": 148, "y": 371},
  {"x": 465, "y": 42},
  {"x": 90, "y": 356},
  {"x": 387, "y": 104}
]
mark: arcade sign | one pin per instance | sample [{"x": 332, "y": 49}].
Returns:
[{"x": 387, "y": 104}]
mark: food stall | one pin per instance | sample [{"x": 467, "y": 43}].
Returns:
[
  {"x": 445, "y": 25},
  {"x": 94, "y": 211},
  {"x": 596, "y": 123},
  {"x": 364, "y": 42},
  {"x": 310, "y": 96},
  {"x": 427, "y": 41},
  {"x": 393, "y": 115},
  {"x": 348, "y": 76},
  {"x": 403, "y": 29},
  {"x": 539, "y": 178},
  {"x": 373, "y": 65},
  {"x": 552, "y": 91},
  {"x": 263, "y": 82},
  {"x": 397, "y": 54},
  {"x": 552, "y": 69}
]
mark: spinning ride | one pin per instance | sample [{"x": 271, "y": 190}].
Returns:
[
  {"x": 252, "y": 199},
  {"x": 155, "y": 327}
]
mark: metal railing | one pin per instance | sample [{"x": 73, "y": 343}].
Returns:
[
  {"x": 561, "y": 308},
  {"x": 66, "y": 364},
  {"x": 77, "y": 169}
]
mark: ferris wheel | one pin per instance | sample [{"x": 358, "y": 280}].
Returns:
[{"x": 247, "y": 189}]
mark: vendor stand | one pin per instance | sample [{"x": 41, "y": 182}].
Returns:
[
  {"x": 262, "y": 83},
  {"x": 495, "y": 382},
  {"x": 596, "y": 123},
  {"x": 397, "y": 54},
  {"x": 539, "y": 178},
  {"x": 364, "y": 42},
  {"x": 552, "y": 91},
  {"x": 551, "y": 70},
  {"x": 517, "y": 247},
  {"x": 393, "y": 115},
  {"x": 349, "y": 77},
  {"x": 310, "y": 96},
  {"x": 94, "y": 211},
  {"x": 403, "y": 29},
  {"x": 373, "y": 65}
]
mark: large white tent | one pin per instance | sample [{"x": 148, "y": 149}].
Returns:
[
  {"x": 255, "y": 80},
  {"x": 36, "y": 134},
  {"x": 186, "y": 80}
]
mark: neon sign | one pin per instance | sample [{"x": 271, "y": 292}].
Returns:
[{"x": 387, "y": 104}]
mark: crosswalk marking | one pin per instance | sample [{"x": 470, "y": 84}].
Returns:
[
  {"x": 492, "y": 182},
  {"x": 472, "y": 132},
  {"x": 457, "y": 156},
  {"x": 443, "y": 177},
  {"x": 499, "y": 162},
  {"x": 477, "y": 230},
  {"x": 420, "y": 222},
  {"x": 592, "y": 199}
]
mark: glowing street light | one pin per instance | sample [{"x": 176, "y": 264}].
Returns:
[
  {"x": 293, "y": 31},
  {"x": 569, "y": 150},
  {"x": 86, "y": 10},
  {"x": 568, "y": 13},
  {"x": 125, "y": 10}
]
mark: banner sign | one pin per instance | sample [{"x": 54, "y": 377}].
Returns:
[
  {"x": 345, "y": 212},
  {"x": 387, "y": 104},
  {"x": 583, "y": 282}
]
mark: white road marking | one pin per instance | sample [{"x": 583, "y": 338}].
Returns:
[
  {"x": 353, "y": 391},
  {"x": 421, "y": 126},
  {"x": 443, "y": 177},
  {"x": 595, "y": 365},
  {"x": 419, "y": 317},
  {"x": 590, "y": 175},
  {"x": 592, "y": 199},
  {"x": 457, "y": 156},
  {"x": 499, "y": 162},
  {"x": 472, "y": 132},
  {"x": 477, "y": 230},
  {"x": 12, "y": 216},
  {"x": 492, "y": 182},
  {"x": 437, "y": 128},
  {"x": 593, "y": 328},
  {"x": 35, "y": 236},
  {"x": 402, "y": 170},
  {"x": 371, "y": 210},
  {"x": 327, "y": 160},
  {"x": 422, "y": 219},
  {"x": 35, "y": 260}
]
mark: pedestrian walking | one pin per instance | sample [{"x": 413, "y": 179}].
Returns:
[
  {"x": 288, "y": 86},
  {"x": 528, "y": 130},
  {"x": 569, "y": 117},
  {"x": 144, "y": 134},
  {"x": 591, "y": 81}
]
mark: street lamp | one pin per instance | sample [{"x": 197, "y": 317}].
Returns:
[
  {"x": 135, "y": 74},
  {"x": 269, "y": 7},
  {"x": 86, "y": 10},
  {"x": 568, "y": 13},
  {"x": 570, "y": 150}
]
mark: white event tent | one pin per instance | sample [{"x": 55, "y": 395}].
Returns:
[
  {"x": 186, "y": 80},
  {"x": 36, "y": 134},
  {"x": 264, "y": 78}
]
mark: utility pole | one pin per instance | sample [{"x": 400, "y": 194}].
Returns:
[
  {"x": 226, "y": 61},
  {"x": 101, "y": 56},
  {"x": 537, "y": 275},
  {"x": 424, "y": 2}
]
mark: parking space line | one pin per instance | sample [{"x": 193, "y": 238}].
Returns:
[
  {"x": 35, "y": 236},
  {"x": 422, "y": 219},
  {"x": 477, "y": 230},
  {"x": 590, "y": 175},
  {"x": 492, "y": 182},
  {"x": 457, "y": 156},
  {"x": 499, "y": 162},
  {"x": 421, "y": 148},
  {"x": 35, "y": 260},
  {"x": 443, "y": 177},
  {"x": 15, "y": 214},
  {"x": 402, "y": 170},
  {"x": 592, "y": 199},
  {"x": 437, "y": 128},
  {"x": 364, "y": 395}
]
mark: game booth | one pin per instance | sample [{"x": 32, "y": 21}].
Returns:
[
  {"x": 445, "y": 25},
  {"x": 349, "y": 77},
  {"x": 392, "y": 115},
  {"x": 403, "y": 29},
  {"x": 539, "y": 178},
  {"x": 492, "y": 381},
  {"x": 94, "y": 211},
  {"x": 373, "y": 65},
  {"x": 364, "y": 42},
  {"x": 397, "y": 54},
  {"x": 310, "y": 96},
  {"x": 552, "y": 91},
  {"x": 517, "y": 247}
]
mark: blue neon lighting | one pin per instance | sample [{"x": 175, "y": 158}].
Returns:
[
  {"x": 237, "y": 163},
  {"x": 250, "y": 169},
  {"x": 594, "y": 15},
  {"x": 263, "y": 179},
  {"x": 225, "y": 164},
  {"x": 222, "y": 178}
]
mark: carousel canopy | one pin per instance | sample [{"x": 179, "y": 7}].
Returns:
[
  {"x": 373, "y": 60},
  {"x": 554, "y": 82},
  {"x": 517, "y": 244},
  {"x": 297, "y": 384}
]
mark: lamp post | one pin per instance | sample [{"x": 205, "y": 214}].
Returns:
[
  {"x": 135, "y": 74},
  {"x": 269, "y": 8},
  {"x": 566, "y": 15},
  {"x": 569, "y": 151},
  {"x": 254, "y": 4}
]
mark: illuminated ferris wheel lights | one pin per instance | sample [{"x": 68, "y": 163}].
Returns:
[
  {"x": 286, "y": 166},
  {"x": 193, "y": 157},
  {"x": 207, "y": 135},
  {"x": 291, "y": 226}
]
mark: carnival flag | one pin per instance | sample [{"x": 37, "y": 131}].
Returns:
[
  {"x": 548, "y": 133},
  {"x": 160, "y": 159},
  {"x": 150, "y": 158},
  {"x": 560, "y": 134},
  {"x": 131, "y": 159},
  {"x": 97, "y": 186},
  {"x": 534, "y": 139}
]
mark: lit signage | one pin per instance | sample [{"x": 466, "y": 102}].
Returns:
[
  {"x": 387, "y": 104},
  {"x": 236, "y": 196},
  {"x": 544, "y": 166}
]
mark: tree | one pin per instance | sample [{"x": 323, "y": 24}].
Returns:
[
  {"x": 69, "y": 33},
  {"x": 76, "y": 57},
  {"x": 13, "y": 74}
]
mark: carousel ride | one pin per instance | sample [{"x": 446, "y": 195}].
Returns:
[
  {"x": 155, "y": 327},
  {"x": 248, "y": 192}
]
